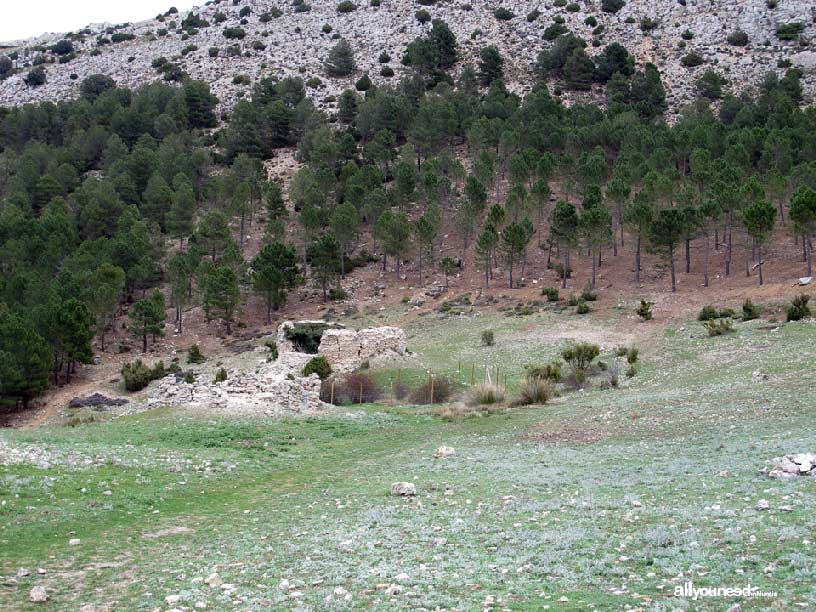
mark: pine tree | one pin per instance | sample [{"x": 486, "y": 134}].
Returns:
[
  {"x": 759, "y": 219},
  {"x": 147, "y": 318},
  {"x": 180, "y": 217},
  {"x": 564, "y": 231},
  {"x": 665, "y": 233},
  {"x": 25, "y": 358},
  {"x": 514, "y": 240},
  {"x": 340, "y": 61},
  {"x": 491, "y": 65},
  {"x": 275, "y": 272},
  {"x": 222, "y": 295},
  {"x": 102, "y": 295},
  {"x": 324, "y": 257},
  {"x": 485, "y": 247}
]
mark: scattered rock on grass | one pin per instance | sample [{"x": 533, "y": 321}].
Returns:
[
  {"x": 38, "y": 594},
  {"x": 798, "y": 464},
  {"x": 403, "y": 489},
  {"x": 444, "y": 451}
]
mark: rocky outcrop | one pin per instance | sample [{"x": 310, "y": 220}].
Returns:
[
  {"x": 296, "y": 44},
  {"x": 798, "y": 464}
]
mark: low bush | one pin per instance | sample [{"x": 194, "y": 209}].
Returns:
[
  {"x": 220, "y": 375},
  {"x": 488, "y": 338},
  {"x": 588, "y": 295},
  {"x": 484, "y": 394},
  {"x": 273, "y": 349},
  {"x": 750, "y": 310},
  {"x": 354, "y": 388},
  {"x": 503, "y": 14},
  {"x": 579, "y": 357},
  {"x": 137, "y": 375},
  {"x": 718, "y": 327},
  {"x": 536, "y": 391},
  {"x": 582, "y": 307},
  {"x": 432, "y": 391},
  {"x": 798, "y": 308},
  {"x": 551, "y": 294},
  {"x": 550, "y": 371},
  {"x": 707, "y": 313},
  {"x": 318, "y": 365},
  {"x": 738, "y": 38},
  {"x": 632, "y": 355},
  {"x": 194, "y": 355}
]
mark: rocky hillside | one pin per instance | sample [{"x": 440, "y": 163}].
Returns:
[{"x": 248, "y": 39}]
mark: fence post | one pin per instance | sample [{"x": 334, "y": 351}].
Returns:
[
  {"x": 331, "y": 395},
  {"x": 472, "y": 374},
  {"x": 430, "y": 375},
  {"x": 361, "y": 391}
]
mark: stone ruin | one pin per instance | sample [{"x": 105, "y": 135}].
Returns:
[
  {"x": 278, "y": 388},
  {"x": 345, "y": 349}
]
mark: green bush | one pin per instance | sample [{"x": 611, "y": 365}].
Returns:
[
  {"x": 550, "y": 371},
  {"x": 432, "y": 391},
  {"x": 338, "y": 294},
  {"x": 137, "y": 375},
  {"x": 692, "y": 59},
  {"x": 488, "y": 338},
  {"x": 220, "y": 375},
  {"x": 798, "y": 309},
  {"x": 346, "y": 6},
  {"x": 708, "y": 313},
  {"x": 789, "y": 31},
  {"x": 718, "y": 327},
  {"x": 194, "y": 355},
  {"x": 750, "y": 310},
  {"x": 582, "y": 307},
  {"x": 632, "y": 355},
  {"x": 273, "y": 349},
  {"x": 588, "y": 295},
  {"x": 737, "y": 38},
  {"x": 573, "y": 7},
  {"x": 579, "y": 357},
  {"x": 551, "y": 293},
  {"x": 612, "y": 6},
  {"x": 503, "y": 14},
  {"x": 533, "y": 15},
  {"x": 318, "y": 365}
]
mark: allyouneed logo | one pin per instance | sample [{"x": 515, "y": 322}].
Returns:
[{"x": 689, "y": 590}]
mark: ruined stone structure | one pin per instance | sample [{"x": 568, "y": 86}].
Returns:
[{"x": 278, "y": 388}]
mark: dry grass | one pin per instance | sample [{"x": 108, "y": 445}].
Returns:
[
  {"x": 536, "y": 391},
  {"x": 485, "y": 394}
]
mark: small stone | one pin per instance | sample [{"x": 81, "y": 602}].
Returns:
[
  {"x": 735, "y": 608},
  {"x": 38, "y": 594},
  {"x": 444, "y": 451},
  {"x": 763, "y": 504},
  {"x": 402, "y": 489},
  {"x": 172, "y": 600},
  {"x": 403, "y": 577},
  {"x": 74, "y": 542},
  {"x": 394, "y": 589},
  {"x": 214, "y": 580},
  {"x": 23, "y": 572}
]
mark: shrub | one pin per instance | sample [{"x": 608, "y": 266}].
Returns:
[
  {"x": 612, "y": 6},
  {"x": 621, "y": 351},
  {"x": 554, "y": 30},
  {"x": 631, "y": 371},
  {"x": 354, "y": 388},
  {"x": 137, "y": 375},
  {"x": 582, "y": 307},
  {"x": 718, "y": 327},
  {"x": 318, "y": 365},
  {"x": 189, "y": 378},
  {"x": 708, "y": 313},
  {"x": 503, "y": 14},
  {"x": 422, "y": 16},
  {"x": 533, "y": 15},
  {"x": 550, "y": 371},
  {"x": 632, "y": 355},
  {"x": 387, "y": 72},
  {"x": 738, "y": 38},
  {"x": 573, "y": 7},
  {"x": 384, "y": 58},
  {"x": 194, "y": 355},
  {"x": 789, "y": 31},
  {"x": 432, "y": 391},
  {"x": 750, "y": 310},
  {"x": 220, "y": 375},
  {"x": 213, "y": 51},
  {"x": 337, "y": 294},
  {"x": 647, "y": 24},
  {"x": 536, "y": 391},
  {"x": 588, "y": 295},
  {"x": 326, "y": 29},
  {"x": 687, "y": 35},
  {"x": 488, "y": 338},
  {"x": 484, "y": 394},
  {"x": 245, "y": 11},
  {"x": 35, "y": 77},
  {"x": 273, "y": 349},
  {"x": 346, "y": 6},
  {"x": 363, "y": 83},
  {"x": 798, "y": 308},
  {"x": 234, "y": 32},
  {"x": 258, "y": 45},
  {"x": 579, "y": 357},
  {"x": 591, "y": 21},
  {"x": 690, "y": 60},
  {"x": 551, "y": 293}
]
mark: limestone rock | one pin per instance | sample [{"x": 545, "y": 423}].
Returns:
[
  {"x": 444, "y": 451},
  {"x": 38, "y": 594},
  {"x": 403, "y": 489}
]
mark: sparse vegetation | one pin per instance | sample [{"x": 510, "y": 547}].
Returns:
[
  {"x": 798, "y": 309},
  {"x": 318, "y": 365}
]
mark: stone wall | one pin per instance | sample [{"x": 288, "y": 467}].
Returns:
[{"x": 346, "y": 349}]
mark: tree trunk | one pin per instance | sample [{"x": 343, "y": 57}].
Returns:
[
  {"x": 420, "y": 264},
  {"x": 707, "y": 250},
  {"x": 102, "y": 337},
  {"x": 781, "y": 212},
  {"x": 759, "y": 255},
  {"x": 180, "y": 317},
  {"x": 593, "y": 270},
  {"x": 144, "y": 342},
  {"x": 728, "y": 251},
  {"x": 566, "y": 268},
  {"x": 688, "y": 255},
  {"x": 637, "y": 260},
  {"x": 229, "y": 326},
  {"x": 809, "y": 256},
  {"x": 673, "y": 276},
  {"x": 342, "y": 264}
]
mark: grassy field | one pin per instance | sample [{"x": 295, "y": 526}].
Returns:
[{"x": 600, "y": 500}]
